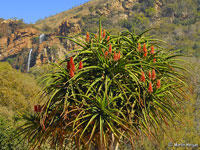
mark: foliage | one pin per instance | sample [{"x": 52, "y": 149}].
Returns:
[
  {"x": 110, "y": 99},
  {"x": 47, "y": 29},
  {"x": 39, "y": 72},
  {"x": 16, "y": 96},
  {"x": 7, "y": 131},
  {"x": 188, "y": 130},
  {"x": 16, "y": 89}
]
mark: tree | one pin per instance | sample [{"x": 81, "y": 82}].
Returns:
[{"x": 112, "y": 90}]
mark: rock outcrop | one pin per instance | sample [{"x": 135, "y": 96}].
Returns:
[
  {"x": 17, "y": 43},
  {"x": 67, "y": 27},
  {"x": 21, "y": 38}
]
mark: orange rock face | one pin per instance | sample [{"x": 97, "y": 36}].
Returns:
[
  {"x": 19, "y": 41},
  {"x": 21, "y": 38},
  {"x": 66, "y": 27}
]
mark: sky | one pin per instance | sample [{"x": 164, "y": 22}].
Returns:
[{"x": 32, "y": 10}]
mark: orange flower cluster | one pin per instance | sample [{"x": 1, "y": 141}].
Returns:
[
  {"x": 139, "y": 47},
  {"x": 71, "y": 66},
  {"x": 145, "y": 50},
  {"x": 80, "y": 65},
  {"x": 142, "y": 77},
  {"x": 110, "y": 49},
  {"x": 150, "y": 87},
  {"x": 104, "y": 35},
  {"x": 152, "y": 52},
  {"x": 151, "y": 75},
  {"x": 87, "y": 37},
  {"x": 108, "y": 38},
  {"x": 106, "y": 53},
  {"x": 158, "y": 84},
  {"x": 116, "y": 56},
  {"x": 152, "y": 49}
]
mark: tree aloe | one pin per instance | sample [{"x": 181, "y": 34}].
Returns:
[{"x": 111, "y": 90}]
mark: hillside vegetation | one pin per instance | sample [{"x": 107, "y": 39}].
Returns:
[
  {"x": 17, "y": 91},
  {"x": 176, "y": 21}
]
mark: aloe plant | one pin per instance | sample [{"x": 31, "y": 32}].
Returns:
[{"x": 113, "y": 89}]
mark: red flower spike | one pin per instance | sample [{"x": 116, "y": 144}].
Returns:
[
  {"x": 153, "y": 74},
  {"x": 71, "y": 61},
  {"x": 80, "y": 65},
  {"x": 154, "y": 60},
  {"x": 149, "y": 74},
  {"x": 110, "y": 49},
  {"x": 87, "y": 37},
  {"x": 142, "y": 77},
  {"x": 152, "y": 49},
  {"x": 104, "y": 33},
  {"x": 68, "y": 65},
  {"x": 150, "y": 88},
  {"x": 71, "y": 73},
  {"x": 108, "y": 38},
  {"x": 73, "y": 67},
  {"x": 145, "y": 50},
  {"x": 158, "y": 84},
  {"x": 35, "y": 108},
  {"x": 106, "y": 54},
  {"x": 139, "y": 46},
  {"x": 95, "y": 36},
  {"x": 118, "y": 56},
  {"x": 115, "y": 56},
  {"x": 145, "y": 54}
]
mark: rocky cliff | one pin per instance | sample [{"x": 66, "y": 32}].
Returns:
[
  {"x": 15, "y": 45},
  {"x": 19, "y": 39}
]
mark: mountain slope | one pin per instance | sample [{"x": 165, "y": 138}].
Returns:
[
  {"x": 55, "y": 20},
  {"x": 176, "y": 21}
]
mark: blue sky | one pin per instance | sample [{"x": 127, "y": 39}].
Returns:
[{"x": 33, "y": 10}]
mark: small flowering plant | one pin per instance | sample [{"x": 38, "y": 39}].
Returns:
[{"x": 114, "y": 88}]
